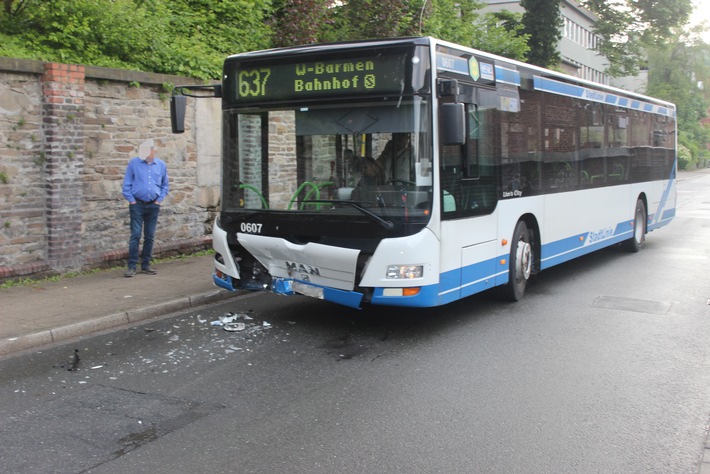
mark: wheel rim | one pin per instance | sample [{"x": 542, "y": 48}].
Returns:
[
  {"x": 638, "y": 227},
  {"x": 523, "y": 257}
]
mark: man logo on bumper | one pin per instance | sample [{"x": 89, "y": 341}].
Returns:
[{"x": 304, "y": 270}]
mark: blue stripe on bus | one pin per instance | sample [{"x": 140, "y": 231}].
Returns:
[
  {"x": 450, "y": 63},
  {"x": 224, "y": 282},
  {"x": 667, "y": 216},
  {"x": 550, "y": 259},
  {"x": 342, "y": 297},
  {"x": 595, "y": 95},
  {"x": 508, "y": 76},
  {"x": 471, "y": 279},
  {"x": 479, "y": 277},
  {"x": 666, "y": 193}
]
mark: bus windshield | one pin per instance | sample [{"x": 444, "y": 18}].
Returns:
[{"x": 330, "y": 158}]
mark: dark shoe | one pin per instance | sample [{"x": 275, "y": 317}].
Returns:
[
  {"x": 130, "y": 272},
  {"x": 149, "y": 270}
]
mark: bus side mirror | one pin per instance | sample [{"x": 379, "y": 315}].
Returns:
[
  {"x": 453, "y": 124},
  {"x": 178, "y": 105}
]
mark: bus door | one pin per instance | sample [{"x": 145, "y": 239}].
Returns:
[{"x": 468, "y": 187}]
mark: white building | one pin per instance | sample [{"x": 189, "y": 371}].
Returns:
[{"x": 578, "y": 42}]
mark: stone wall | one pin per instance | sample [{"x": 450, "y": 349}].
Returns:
[{"x": 66, "y": 135}]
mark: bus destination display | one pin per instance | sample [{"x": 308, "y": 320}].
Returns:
[{"x": 381, "y": 74}]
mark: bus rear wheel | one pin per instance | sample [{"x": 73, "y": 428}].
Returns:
[
  {"x": 636, "y": 241},
  {"x": 520, "y": 264}
]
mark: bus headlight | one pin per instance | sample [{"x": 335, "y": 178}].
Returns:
[{"x": 404, "y": 272}]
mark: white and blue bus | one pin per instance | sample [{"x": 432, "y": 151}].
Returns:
[{"x": 415, "y": 172}]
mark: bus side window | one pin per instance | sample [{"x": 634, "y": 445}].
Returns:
[
  {"x": 469, "y": 178},
  {"x": 450, "y": 177},
  {"x": 471, "y": 155}
]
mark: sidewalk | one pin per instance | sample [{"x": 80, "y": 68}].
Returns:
[{"x": 42, "y": 313}]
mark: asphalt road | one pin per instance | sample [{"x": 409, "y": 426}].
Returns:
[{"x": 603, "y": 367}]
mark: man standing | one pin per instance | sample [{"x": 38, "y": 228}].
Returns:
[{"x": 145, "y": 185}]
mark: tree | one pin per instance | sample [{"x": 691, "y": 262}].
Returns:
[
  {"x": 192, "y": 37},
  {"x": 673, "y": 75},
  {"x": 461, "y": 22},
  {"x": 543, "y": 23},
  {"x": 185, "y": 37},
  {"x": 13, "y": 8},
  {"x": 502, "y": 33},
  {"x": 627, "y": 27},
  {"x": 296, "y": 22},
  {"x": 203, "y": 32},
  {"x": 368, "y": 19}
]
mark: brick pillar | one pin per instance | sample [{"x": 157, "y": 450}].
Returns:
[{"x": 63, "y": 129}]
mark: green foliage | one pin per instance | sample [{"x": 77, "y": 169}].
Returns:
[
  {"x": 185, "y": 37},
  {"x": 685, "y": 157},
  {"x": 456, "y": 21},
  {"x": 206, "y": 31},
  {"x": 462, "y": 23},
  {"x": 627, "y": 27},
  {"x": 661, "y": 19},
  {"x": 370, "y": 19},
  {"x": 296, "y": 22},
  {"x": 192, "y": 37},
  {"x": 503, "y": 34},
  {"x": 673, "y": 69},
  {"x": 542, "y": 21}
]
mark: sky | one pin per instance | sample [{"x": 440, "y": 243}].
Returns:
[{"x": 702, "y": 13}]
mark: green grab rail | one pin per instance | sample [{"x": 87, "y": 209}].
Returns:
[
  {"x": 317, "y": 190},
  {"x": 298, "y": 191},
  {"x": 253, "y": 188},
  {"x": 314, "y": 188}
]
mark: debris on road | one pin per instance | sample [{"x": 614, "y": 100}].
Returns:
[
  {"x": 74, "y": 360},
  {"x": 232, "y": 327},
  {"x": 231, "y": 322}
]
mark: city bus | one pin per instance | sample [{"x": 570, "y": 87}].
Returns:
[{"x": 414, "y": 172}]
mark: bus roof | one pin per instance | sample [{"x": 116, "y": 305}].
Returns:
[{"x": 433, "y": 42}]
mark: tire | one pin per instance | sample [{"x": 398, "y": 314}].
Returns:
[
  {"x": 636, "y": 241},
  {"x": 522, "y": 257}
]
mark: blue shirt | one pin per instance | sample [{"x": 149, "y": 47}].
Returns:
[{"x": 145, "y": 181}]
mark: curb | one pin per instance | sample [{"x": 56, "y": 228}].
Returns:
[{"x": 112, "y": 321}]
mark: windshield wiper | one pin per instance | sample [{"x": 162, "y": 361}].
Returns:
[{"x": 387, "y": 225}]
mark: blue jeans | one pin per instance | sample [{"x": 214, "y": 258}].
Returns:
[{"x": 144, "y": 218}]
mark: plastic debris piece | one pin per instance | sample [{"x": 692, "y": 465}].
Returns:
[
  {"x": 74, "y": 360},
  {"x": 200, "y": 320},
  {"x": 267, "y": 324},
  {"x": 233, "y": 327},
  {"x": 216, "y": 323},
  {"x": 228, "y": 318}
]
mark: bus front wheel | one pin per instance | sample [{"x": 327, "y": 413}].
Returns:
[
  {"x": 520, "y": 264},
  {"x": 636, "y": 241}
]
